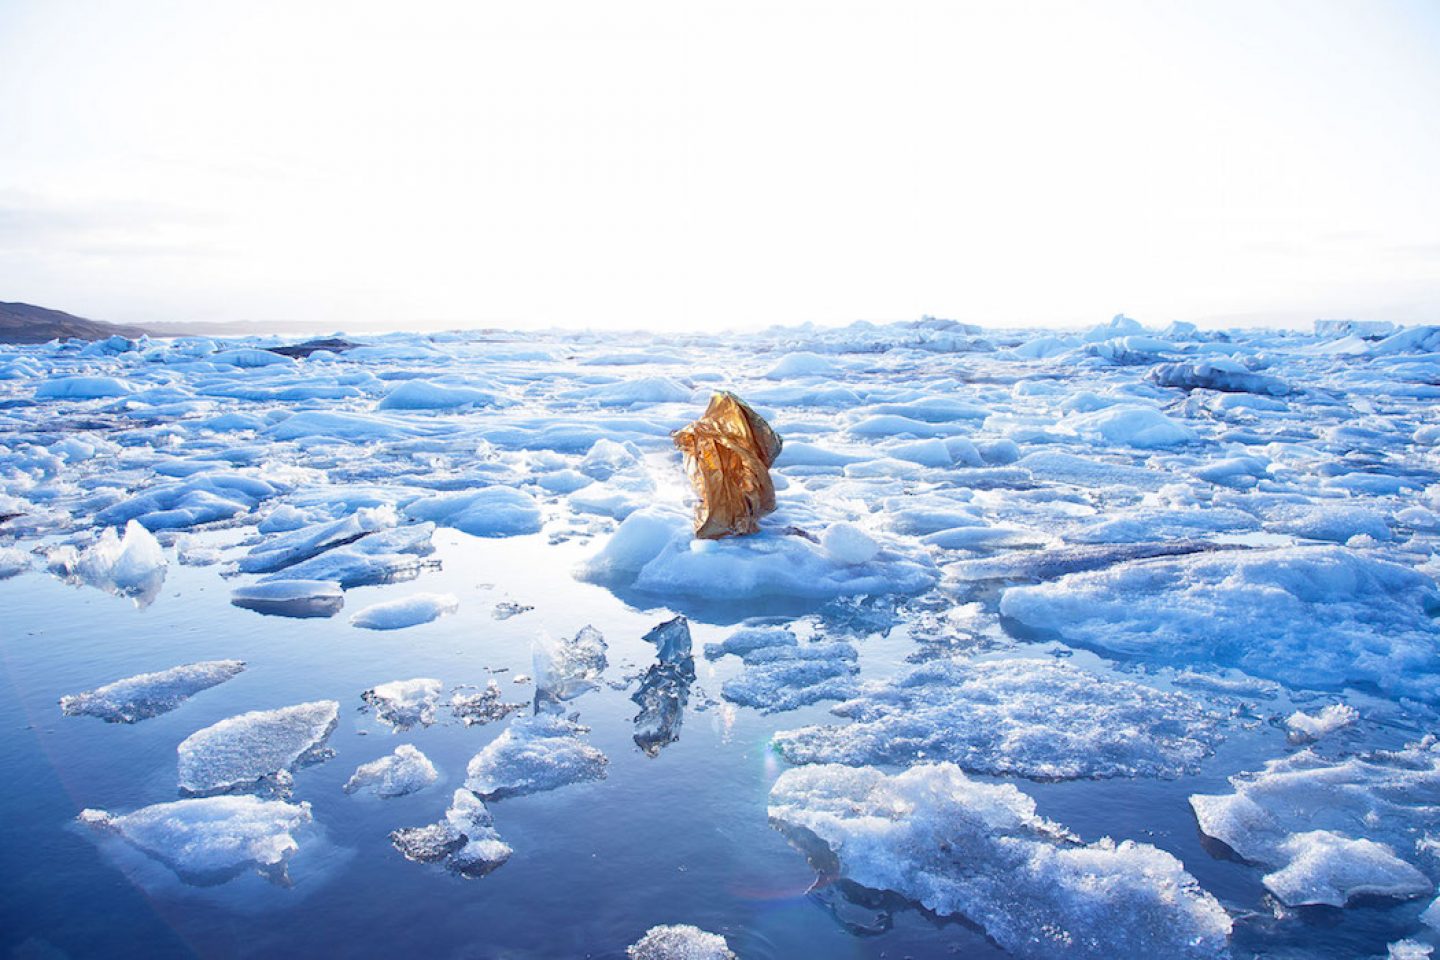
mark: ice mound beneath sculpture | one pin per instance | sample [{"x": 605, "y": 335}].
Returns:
[
  {"x": 534, "y": 754},
  {"x": 1033, "y": 718},
  {"x": 149, "y": 694},
  {"x": 1331, "y": 830},
  {"x": 679, "y": 942},
  {"x": 256, "y": 749},
  {"x": 402, "y": 772},
  {"x": 465, "y": 840},
  {"x": 959, "y": 846},
  {"x": 1319, "y": 617},
  {"x": 654, "y": 552},
  {"x": 211, "y": 839}
]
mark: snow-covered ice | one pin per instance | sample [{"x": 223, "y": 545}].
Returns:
[
  {"x": 255, "y": 749},
  {"x": 1312, "y": 616},
  {"x": 679, "y": 942},
  {"x": 404, "y": 703},
  {"x": 211, "y": 839},
  {"x": 1041, "y": 719},
  {"x": 464, "y": 840},
  {"x": 534, "y": 754},
  {"x": 149, "y": 694},
  {"x": 396, "y": 774},
  {"x": 979, "y": 850},
  {"x": 1330, "y": 830},
  {"x": 405, "y": 612}
]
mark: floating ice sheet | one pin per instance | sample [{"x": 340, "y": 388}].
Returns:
[
  {"x": 534, "y": 754},
  {"x": 402, "y": 772},
  {"x": 256, "y": 749},
  {"x": 291, "y": 598},
  {"x": 959, "y": 846},
  {"x": 1330, "y": 830},
  {"x": 406, "y": 611},
  {"x": 1034, "y": 718},
  {"x": 465, "y": 840},
  {"x": 404, "y": 703},
  {"x": 149, "y": 694},
  {"x": 212, "y": 839},
  {"x": 1312, "y": 616}
]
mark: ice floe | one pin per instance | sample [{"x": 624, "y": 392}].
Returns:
[
  {"x": 291, "y": 598},
  {"x": 679, "y": 942},
  {"x": 211, "y": 839},
  {"x": 405, "y": 611},
  {"x": 465, "y": 841},
  {"x": 259, "y": 749},
  {"x": 979, "y": 850},
  {"x": 654, "y": 552},
  {"x": 1330, "y": 830},
  {"x": 1319, "y": 617},
  {"x": 402, "y": 772},
  {"x": 149, "y": 694},
  {"x": 1041, "y": 719},
  {"x": 534, "y": 754}
]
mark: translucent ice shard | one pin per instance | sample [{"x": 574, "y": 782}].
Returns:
[
  {"x": 213, "y": 839},
  {"x": 149, "y": 694},
  {"x": 484, "y": 706},
  {"x": 565, "y": 670},
  {"x": 255, "y": 749},
  {"x": 132, "y": 565},
  {"x": 664, "y": 688}
]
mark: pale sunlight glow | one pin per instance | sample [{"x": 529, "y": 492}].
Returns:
[{"x": 677, "y": 166}]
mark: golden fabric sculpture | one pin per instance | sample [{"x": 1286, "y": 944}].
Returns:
[{"x": 728, "y": 453}]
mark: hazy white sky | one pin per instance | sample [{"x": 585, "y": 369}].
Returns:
[{"x": 684, "y": 165}]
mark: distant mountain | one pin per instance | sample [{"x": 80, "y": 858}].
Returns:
[{"x": 27, "y": 323}]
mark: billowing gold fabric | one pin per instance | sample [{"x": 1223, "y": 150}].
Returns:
[{"x": 728, "y": 453}]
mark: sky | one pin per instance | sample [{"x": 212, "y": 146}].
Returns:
[{"x": 692, "y": 165}]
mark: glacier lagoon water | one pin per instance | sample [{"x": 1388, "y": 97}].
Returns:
[{"x": 683, "y": 836}]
